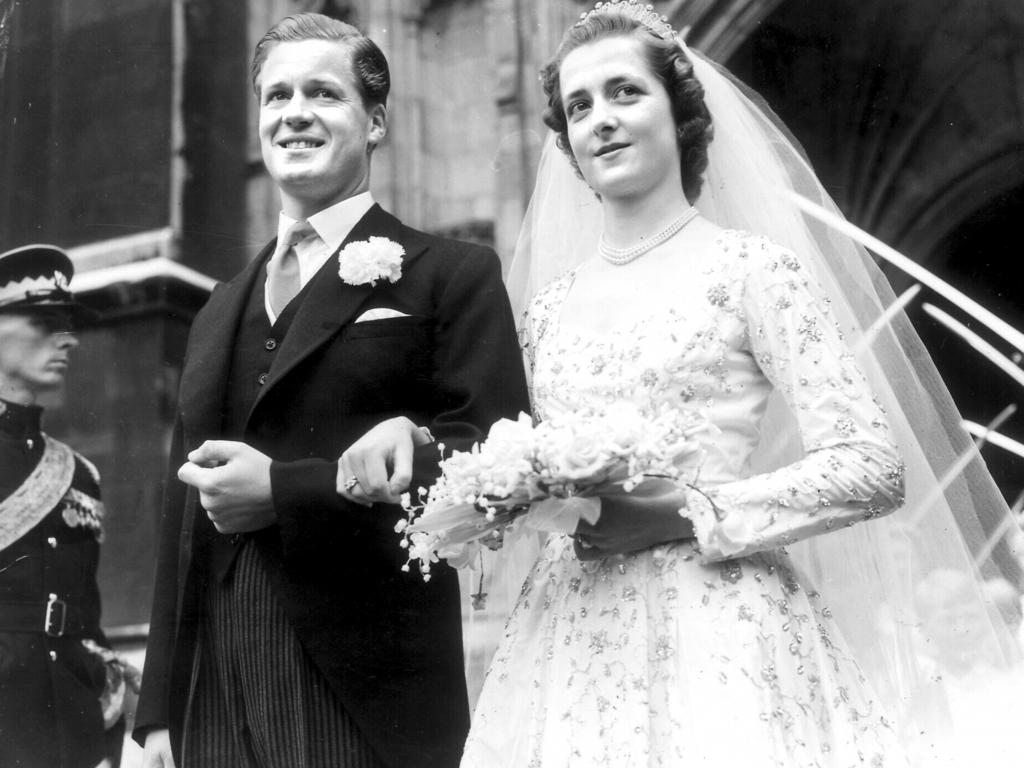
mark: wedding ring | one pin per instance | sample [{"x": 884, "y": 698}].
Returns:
[
  {"x": 584, "y": 544},
  {"x": 351, "y": 482}
]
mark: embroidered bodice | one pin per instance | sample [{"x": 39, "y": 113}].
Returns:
[{"x": 749, "y": 327}]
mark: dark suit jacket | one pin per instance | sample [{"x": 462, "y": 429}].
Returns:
[{"x": 388, "y": 643}]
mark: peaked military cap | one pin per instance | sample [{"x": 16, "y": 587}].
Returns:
[{"x": 37, "y": 277}]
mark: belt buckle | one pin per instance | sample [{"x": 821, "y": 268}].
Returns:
[{"x": 53, "y": 624}]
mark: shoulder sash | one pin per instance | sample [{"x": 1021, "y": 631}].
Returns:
[{"x": 39, "y": 494}]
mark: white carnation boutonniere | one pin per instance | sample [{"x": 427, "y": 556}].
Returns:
[{"x": 367, "y": 261}]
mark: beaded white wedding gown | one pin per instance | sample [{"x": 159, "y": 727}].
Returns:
[{"x": 717, "y": 654}]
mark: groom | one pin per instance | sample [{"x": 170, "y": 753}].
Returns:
[{"x": 284, "y": 632}]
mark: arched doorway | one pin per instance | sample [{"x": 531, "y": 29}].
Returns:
[
  {"x": 911, "y": 111},
  {"x": 984, "y": 252}
]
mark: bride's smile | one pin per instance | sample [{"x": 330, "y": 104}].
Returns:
[{"x": 620, "y": 123}]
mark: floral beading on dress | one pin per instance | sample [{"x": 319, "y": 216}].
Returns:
[{"x": 712, "y": 652}]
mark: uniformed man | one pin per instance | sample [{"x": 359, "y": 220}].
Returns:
[{"x": 55, "y": 700}]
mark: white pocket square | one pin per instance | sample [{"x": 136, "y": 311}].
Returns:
[{"x": 380, "y": 313}]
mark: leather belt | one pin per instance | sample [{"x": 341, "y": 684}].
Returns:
[{"x": 52, "y": 617}]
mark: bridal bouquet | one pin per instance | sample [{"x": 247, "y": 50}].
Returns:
[{"x": 541, "y": 472}]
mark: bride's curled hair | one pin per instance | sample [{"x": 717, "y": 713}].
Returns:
[{"x": 668, "y": 62}]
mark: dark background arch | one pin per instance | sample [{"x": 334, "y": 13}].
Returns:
[{"x": 912, "y": 111}]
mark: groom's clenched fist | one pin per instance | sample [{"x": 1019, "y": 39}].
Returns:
[{"x": 233, "y": 480}]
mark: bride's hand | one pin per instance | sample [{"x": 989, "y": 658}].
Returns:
[
  {"x": 378, "y": 466},
  {"x": 630, "y": 522}
]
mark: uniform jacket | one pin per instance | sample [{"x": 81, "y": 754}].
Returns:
[
  {"x": 50, "y": 685},
  {"x": 388, "y": 643}
]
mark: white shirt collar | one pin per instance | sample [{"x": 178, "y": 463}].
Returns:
[{"x": 332, "y": 224}]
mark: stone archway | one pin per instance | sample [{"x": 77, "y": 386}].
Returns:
[
  {"x": 994, "y": 178},
  {"x": 899, "y": 103},
  {"x": 982, "y": 251},
  {"x": 912, "y": 111}
]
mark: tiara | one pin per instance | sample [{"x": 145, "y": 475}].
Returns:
[{"x": 644, "y": 14}]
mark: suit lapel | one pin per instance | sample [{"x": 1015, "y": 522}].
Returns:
[
  {"x": 330, "y": 304},
  {"x": 208, "y": 364}
]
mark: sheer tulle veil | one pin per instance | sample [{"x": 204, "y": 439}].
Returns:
[{"x": 906, "y": 590}]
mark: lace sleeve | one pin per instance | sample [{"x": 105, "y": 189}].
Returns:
[
  {"x": 850, "y": 470},
  {"x": 528, "y": 346}
]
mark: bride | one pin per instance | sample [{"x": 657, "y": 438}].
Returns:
[
  {"x": 765, "y": 616},
  {"x": 789, "y": 608}
]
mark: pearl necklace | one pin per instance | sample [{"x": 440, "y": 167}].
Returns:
[{"x": 620, "y": 256}]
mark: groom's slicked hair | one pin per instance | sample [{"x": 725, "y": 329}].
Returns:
[{"x": 368, "y": 62}]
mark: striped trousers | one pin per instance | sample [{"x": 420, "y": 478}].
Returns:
[{"x": 256, "y": 699}]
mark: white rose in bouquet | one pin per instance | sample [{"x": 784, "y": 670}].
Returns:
[
  {"x": 571, "y": 456},
  {"x": 553, "y": 473}
]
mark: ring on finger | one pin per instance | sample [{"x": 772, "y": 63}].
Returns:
[
  {"x": 350, "y": 482},
  {"x": 583, "y": 542}
]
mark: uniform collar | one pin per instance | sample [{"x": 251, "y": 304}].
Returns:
[{"x": 19, "y": 420}]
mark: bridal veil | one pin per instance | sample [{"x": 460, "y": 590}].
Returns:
[{"x": 911, "y": 592}]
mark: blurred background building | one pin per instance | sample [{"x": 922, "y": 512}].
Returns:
[{"x": 128, "y": 135}]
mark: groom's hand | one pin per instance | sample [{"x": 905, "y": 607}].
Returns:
[
  {"x": 378, "y": 466},
  {"x": 233, "y": 480},
  {"x": 630, "y": 522},
  {"x": 157, "y": 752}
]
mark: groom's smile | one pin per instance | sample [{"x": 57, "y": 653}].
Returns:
[
  {"x": 316, "y": 131},
  {"x": 300, "y": 143}
]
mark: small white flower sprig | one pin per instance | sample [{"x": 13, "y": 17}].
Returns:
[
  {"x": 483, "y": 491},
  {"x": 367, "y": 261}
]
